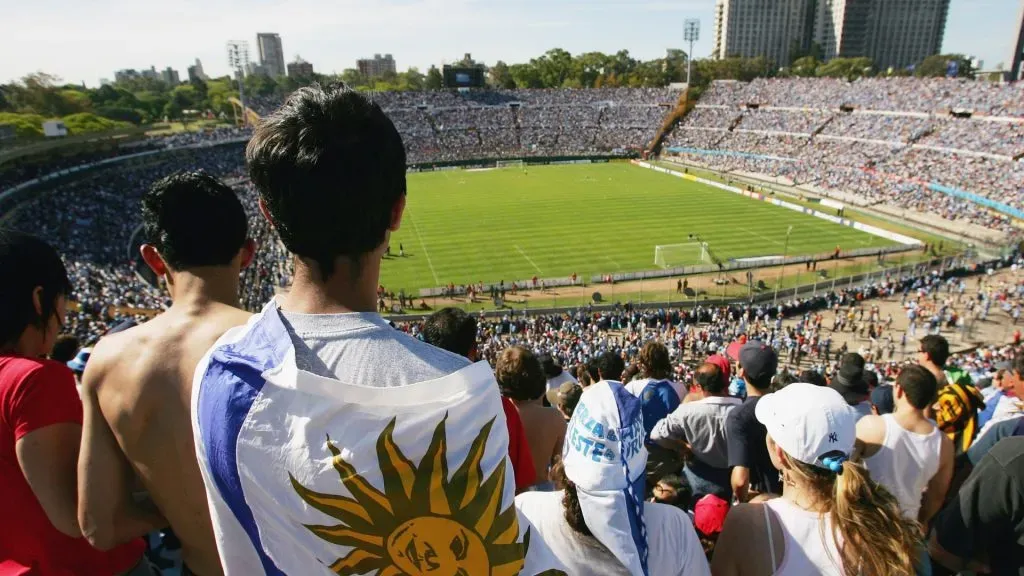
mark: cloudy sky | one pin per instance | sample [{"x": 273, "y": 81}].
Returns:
[{"x": 85, "y": 41}]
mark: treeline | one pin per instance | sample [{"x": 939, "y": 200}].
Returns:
[{"x": 36, "y": 97}]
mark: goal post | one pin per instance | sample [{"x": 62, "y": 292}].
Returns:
[
  {"x": 509, "y": 164},
  {"x": 676, "y": 255}
]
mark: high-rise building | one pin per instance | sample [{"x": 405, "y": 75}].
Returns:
[
  {"x": 892, "y": 33},
  {"x": 1017, "y": 61},
  {"x": 195, "y": 72},
  {"x": 774, "y": 29},
  {"x": 376, "y": 67},
  {"x": 300, "y": 69},
  {"x": 271, "y": 53},
  {"x": 151, "y": 74},
  {"x": 170, "y": 76},
  {"x": 126, "y": 75}
]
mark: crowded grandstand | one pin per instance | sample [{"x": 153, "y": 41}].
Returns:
[{"x": 626, "y": 433}]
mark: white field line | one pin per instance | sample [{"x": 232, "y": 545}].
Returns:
[
  {"x": 416, "y": 229},
  {"x": 530, "y": 260}
]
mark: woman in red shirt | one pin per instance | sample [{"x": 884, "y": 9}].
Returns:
[{"x": 40, "y": 426}]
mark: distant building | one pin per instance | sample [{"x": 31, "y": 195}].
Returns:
[
  {"x": 300, "y": 69},
  {"x": 892, "y": 33},
  {"x": 151, "y": 74},
  {"x": 271, "y": 54},
  {"x": 105, "y": 81},
  {"x": 1017, "y": 61},
  {"x": 769, "y": 28},
  {"x": 170, "y": 76},
  {"x": 195, "y": 72},
  {"x": 254, "y": 69},
  {"x": 126, "y": 75},
  {"x": 376, "y": 67}
]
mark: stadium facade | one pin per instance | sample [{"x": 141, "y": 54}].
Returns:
[{"x": 892, "y": 33}]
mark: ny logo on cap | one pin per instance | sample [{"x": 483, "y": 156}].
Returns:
[{"x": 833, "y": 437}]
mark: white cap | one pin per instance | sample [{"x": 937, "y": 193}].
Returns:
[{"x": 810, "y": 423}]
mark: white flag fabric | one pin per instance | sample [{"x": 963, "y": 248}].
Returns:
[{"x": 310, "y": 475}]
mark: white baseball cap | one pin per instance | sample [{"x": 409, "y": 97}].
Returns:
[{"x": 810, "y": 423}]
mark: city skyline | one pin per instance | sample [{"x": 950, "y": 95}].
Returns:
[{"x": 418, "y": 33}]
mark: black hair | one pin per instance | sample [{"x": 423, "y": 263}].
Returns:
[
  {"x": 329, "y": 166},
  {"x": 763, "y": 383},
  {"x": 451, "y": 329},
  {"x": 551, "y": 368},
  {"x": 608, "y": 366},
  {"x": 519, "y": 374},
  {"x": 193, "y": 220},
  {"x": 26, "y": 263},
  {"x": 65, "y": 348},
  {"x": 684, "y": 492},
  {"x": 937, "y": 349},
  {"x": 919, "y": 385},
  {"x": 781, "y": 380},
  {"x": 709, "y": 377},
  {"x": 812, "y": 377}
]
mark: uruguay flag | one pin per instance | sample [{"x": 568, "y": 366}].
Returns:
[{"x": 310, "y": 475}]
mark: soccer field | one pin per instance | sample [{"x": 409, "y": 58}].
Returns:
[{"x": 469, "y": 226}]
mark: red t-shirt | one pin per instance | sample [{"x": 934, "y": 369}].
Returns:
[
  {"x": 35, "y": 394},
  {"x": 518, "y": 449}
]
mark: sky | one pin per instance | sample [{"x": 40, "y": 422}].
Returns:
[{"x": 86, "y": 41}]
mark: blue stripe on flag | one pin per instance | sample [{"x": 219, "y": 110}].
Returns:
[{"x": 229, "y": 387}]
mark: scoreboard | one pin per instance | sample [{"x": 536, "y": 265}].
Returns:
[{"x": 463, "y": 76}]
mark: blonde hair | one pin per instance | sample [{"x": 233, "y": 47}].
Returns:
[{"x": 877, "y": 540}]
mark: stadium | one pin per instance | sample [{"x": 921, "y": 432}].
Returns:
[{"x": 603, "y": 230}]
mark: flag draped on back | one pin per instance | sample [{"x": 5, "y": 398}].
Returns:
[{"x": 310, "y": 475}]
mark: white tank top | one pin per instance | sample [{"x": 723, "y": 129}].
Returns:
[
  {"x": 905, "y": 463},
  {"x": 809, "y": 547}
]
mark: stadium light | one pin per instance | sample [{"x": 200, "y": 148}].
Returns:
[
  {"x": 238, "y": 58},
  {"x": 691, "y": 34}
]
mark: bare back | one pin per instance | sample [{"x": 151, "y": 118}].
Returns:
[
  {"x": 145, "y": 397},
  {"x": 545, "y": 433}
]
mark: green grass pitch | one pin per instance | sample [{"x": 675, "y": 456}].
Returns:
[{"x": 551, "y": 221}]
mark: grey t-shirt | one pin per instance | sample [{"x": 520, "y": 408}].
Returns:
[{"x": 361, "y": 348}]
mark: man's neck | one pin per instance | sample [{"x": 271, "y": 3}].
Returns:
[
  {"x": 753, "y": 392},
  {"x": 341, "y": 293},
  {"x": 201, "y": 287}
]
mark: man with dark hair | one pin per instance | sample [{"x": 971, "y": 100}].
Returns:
[
  {"x": 455, "y": 331},
  {"x": 748, "y": 454},
  {"x": 851, "y": 384},
  {"x": 697, "y": 428},
  {"x": 521, "y": 378},
  {"x": 138, "y": 384},
  {"x": 65, "y": 349},
  {"x": 319, "y": 376},
  {"x": 905, "y": 451},
  {"x": 959, "y": 401},
  {"x": 606, "y": 366},
  {"x": 41, "y": 424},
  {"x": 812, "y": 377},
  {"x": 554, "y": 373}
]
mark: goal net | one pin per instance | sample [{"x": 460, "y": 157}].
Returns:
[
  {"x": 509, "y": 164},
  {"x": 676, "y": 255}
]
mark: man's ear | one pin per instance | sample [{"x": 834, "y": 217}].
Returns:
[
  {"x": 396, "y": 214},
  {"x": 154, "y": 260},
  {"x": 248, "y": 252}
]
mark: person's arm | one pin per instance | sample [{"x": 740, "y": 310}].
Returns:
[
  {"x": 935, "y": 493},
  {"x": 870, "y": 436},
  {"x": 669, "y": 432},
  {"x": 736, "y": 540},
  {"x": 107, "y": 511},
  {"x": 739, "y": 457},
  {"x": 556, "y": 453},
  {"x": 47, "y": 457}
]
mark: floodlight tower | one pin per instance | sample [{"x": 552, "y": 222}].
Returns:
[
  {"x": 238, "y": 59},
  {"x": 691, "y": 34}
]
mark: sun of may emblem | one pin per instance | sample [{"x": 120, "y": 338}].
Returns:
[{"x": 423, "y": 523}]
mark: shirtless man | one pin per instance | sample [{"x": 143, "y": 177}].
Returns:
[{"x": 138, "y": 384}]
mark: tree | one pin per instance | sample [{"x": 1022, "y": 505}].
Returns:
[
  {"x": 501, "y": 77},
  {"x": 806, "y": 67},
  {"x": 848, "y": 68},
  {"x": 172, "y": 110},
  {"x": 526, "y": 76},
  {"x": 412, "y": 79},
  {"x": 434, "y": 79},
  {"x": 941, "y": 65},
  {"x": 353, "y": 79}
]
